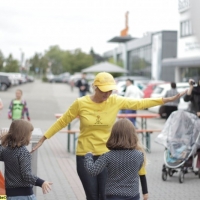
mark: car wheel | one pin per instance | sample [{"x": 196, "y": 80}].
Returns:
[
  {"x": 162, "y": 112},
  {"x": 3, "y": 87}
]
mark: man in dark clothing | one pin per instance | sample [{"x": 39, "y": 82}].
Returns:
[
  {"x": 193, "y": 96},
  {"x": 83, "y": 85},
  {"x": 171, "y": 106}
]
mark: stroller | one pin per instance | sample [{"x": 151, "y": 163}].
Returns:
[{"x": 181, "y": 138}]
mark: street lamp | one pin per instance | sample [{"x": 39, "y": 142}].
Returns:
[{"x": 21, "y": 60}]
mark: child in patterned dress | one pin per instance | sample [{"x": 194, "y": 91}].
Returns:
[
  {"x": 19, "y": 180},
  {"x": 125, "y": 163}
]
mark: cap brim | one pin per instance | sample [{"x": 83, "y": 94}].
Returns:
[{"x": 106, "y": 88}]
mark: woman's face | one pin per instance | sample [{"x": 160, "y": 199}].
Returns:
[{"x": 102, "y": 96}]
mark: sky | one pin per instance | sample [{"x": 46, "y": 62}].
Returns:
[{"x": 34, "y": 26}]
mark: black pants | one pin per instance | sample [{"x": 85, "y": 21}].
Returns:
[
  {"x": 169, "y": 110},
  {"x": 94, "y": 186}
]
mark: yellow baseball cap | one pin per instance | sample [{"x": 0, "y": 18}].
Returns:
[{"x": 105, "y": 82}]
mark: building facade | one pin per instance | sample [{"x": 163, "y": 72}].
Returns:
[
  {"x": 143, "y": 56},
  {"x": 187, "y": 63}
]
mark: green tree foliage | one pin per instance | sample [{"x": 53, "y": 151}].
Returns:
[
  {"x": 54, "y": 59},
  {"x": 38, "y": 64},
  {"x": 67, "y": 61},
  {"x": 55, "y": 56},
  {"x": 75, "y": 61},
  {"x": 1, "y": 61},
  {"x": 11, "y": 64}
]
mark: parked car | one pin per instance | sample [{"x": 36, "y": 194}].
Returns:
[
  {"x": 21, "y": 79},
  {"x": 11, "y": 77},
  {"x": 161, "y": 90},
  {"x": 30, "y": 78},
  {"x": 61, "y": 78},
  {"x": 150, "y": 87},
  {"x": 49, "y": 77},
  {"x": 5, "y": 83}
]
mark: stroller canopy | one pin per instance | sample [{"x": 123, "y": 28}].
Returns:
[{"x": 181, "y": 133}]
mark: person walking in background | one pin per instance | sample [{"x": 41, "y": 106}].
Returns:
[
  {"x": 18, "y": 107},
  {"x": 83, "y": 85},
  {"x": 97, "y": 113},
  {"x": 19, "y": 180},
  {"x": 1, "y": 104},
  {"x": 171, "y": 106},
  {"x": 125, "y": 163},
  {"x": 133, "y": 92}
]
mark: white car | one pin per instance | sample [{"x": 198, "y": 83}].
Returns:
[{"x": 160, "y": 91}]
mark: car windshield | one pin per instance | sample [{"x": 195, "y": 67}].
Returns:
[{"x": 158, "y": 90}]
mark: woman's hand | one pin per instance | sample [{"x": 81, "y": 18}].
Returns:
[
  {"x": 191, "y": 82},
  {"x": 174, "y": 98},
  {"x": 39, "y": 144},
  {"x": 46, "y": 187}
]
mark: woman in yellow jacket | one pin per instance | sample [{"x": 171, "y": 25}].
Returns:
[{"x": 97, "y": 114}]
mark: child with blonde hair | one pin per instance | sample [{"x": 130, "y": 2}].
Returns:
[
  {"x": 125, "y": 163},
  {"x": 19, "y": 179}
]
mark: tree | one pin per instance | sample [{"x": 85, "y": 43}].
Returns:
[
  {"x": 67, "y": 61},
  {"x": 55, "y": 56},
  {"x": 76, "y": 60},
  {"x": 38, "y": 64},
  {"x": 12, "y": 65},
  {"x": 1, "y": 61}
]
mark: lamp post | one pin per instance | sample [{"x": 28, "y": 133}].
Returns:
[{"x": 21, "y": 60}]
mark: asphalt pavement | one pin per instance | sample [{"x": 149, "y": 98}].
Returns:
[{"x": 58, "y": 166}]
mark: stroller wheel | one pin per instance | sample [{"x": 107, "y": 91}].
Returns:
[
  {"x": 164, "y": 175},
  {"x": 181, "y": 176},
  {"x": 170, "y": 172}
]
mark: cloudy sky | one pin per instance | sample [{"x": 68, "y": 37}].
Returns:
[{"x": 33, "y": 26}]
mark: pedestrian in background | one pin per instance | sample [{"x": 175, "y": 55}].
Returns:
[
  {"x": 171, "y": 106},
  {"x": 125, "y": 163},
  {"x": 193, "y": 96},
  {"x": 132, "y": 91},
  {"x": 97, "y": 113},
  {"x": 83, "y": 85},
  {"x": 19, "y": 180},
  {"x": 18, "y": 107}
]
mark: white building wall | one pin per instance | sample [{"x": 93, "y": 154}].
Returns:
[{"x": 187, "y": 46}]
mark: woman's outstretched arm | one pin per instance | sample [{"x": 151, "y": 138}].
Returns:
[{"x": 173, "y": 98}]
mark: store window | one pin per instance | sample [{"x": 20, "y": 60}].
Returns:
[
  {"x": 190, "y": 72},
  {"x": 140, "y": 61}
]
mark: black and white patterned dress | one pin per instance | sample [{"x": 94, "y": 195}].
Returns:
[
  {"x": 123, "y": 167},
  {"x": 18, "y": 175}
]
